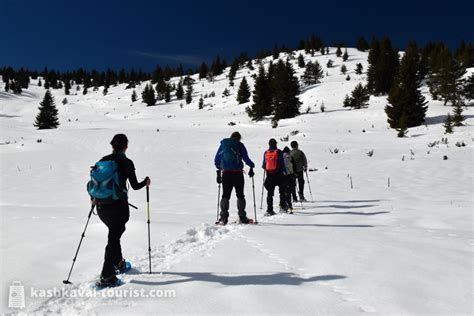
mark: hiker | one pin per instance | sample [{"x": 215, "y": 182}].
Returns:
[
  {"x": 290, "y": 182},
  {"x": 228, "y": 161},
  {"x": 300, "y": 166},
  {"x": 115, "y": 213},
  {"x": 274, "y": 166}
]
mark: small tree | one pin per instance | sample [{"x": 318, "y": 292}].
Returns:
[
  {"x": 167, "y": 93},
  {"x": 180, "y": 91},
  {"x": 148, "y": 95},
  {"x": 313, "y": 73},
  {"x": 343, "y": 69},
  {"x": 134, "y": 96},
  {"x": 338, "y": 51},
  {"x": 301, "y": 62},
  {"x": 201, "y": 103},
  {"x": 345, "y": 57},
  {"x": 226, "y": 92},
  {"x": 189, "y": 93},
  {"x": 47, "y": 117},
  {"x": 359, "y": 97},
  {"x": 359, "y": 69},
  {"x": 106, "y": 90},
  {"x": 330, "y": 63},
  {"x": 243, "y": 95},
  {"x": 448, "y": 125},
  {"x": 84, "y": 92},
  {"x": 458, "y": 118}
]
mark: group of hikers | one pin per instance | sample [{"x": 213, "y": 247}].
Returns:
[
  {"x": 283, "y": 169},
  {"x": 108, "y": 189}
]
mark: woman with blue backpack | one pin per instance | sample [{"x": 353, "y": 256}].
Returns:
[{"x": 108, "y": 191}]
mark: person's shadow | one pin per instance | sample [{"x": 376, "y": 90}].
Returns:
[{"x": 282, "y": 278}]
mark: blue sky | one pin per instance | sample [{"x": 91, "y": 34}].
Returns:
[{"x": 99, "y": 34}]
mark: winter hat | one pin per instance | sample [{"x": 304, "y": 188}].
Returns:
[
  {"x": 272, "y": 142},
  {"x": 286, "y": 149},
  {"x": 236, "y": 135}
]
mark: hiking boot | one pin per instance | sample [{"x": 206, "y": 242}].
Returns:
[
  {"x": 222, "y": 221},
  {"x": 123, "y": 267},
  {"x": 246, "y": 220}
]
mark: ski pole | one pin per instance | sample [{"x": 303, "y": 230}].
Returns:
[
  {"x": 263, "y": 184},
  {"x": 254, "y": 203},
  {"x": 79, "y": 246},
  {"x": 309, "y": 186},
  {"x": 148, "y": 222},
  {"x": 218, "y": 200}
]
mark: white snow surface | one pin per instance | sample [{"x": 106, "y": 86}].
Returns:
[{"x": 406, "y": 249}]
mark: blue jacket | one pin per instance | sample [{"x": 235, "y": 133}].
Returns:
[
  {"x": 281, "y": 161},
  {"x": 232, "y": 165}
]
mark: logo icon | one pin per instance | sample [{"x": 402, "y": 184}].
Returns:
[{"x": 16, "y": 297}]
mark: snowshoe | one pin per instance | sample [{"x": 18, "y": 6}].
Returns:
[
  {"x": 270, "y": 213},
  {"x": 290, "y": 210},
  {"x": 112, "y": 281},
  {"x": 246, "y": 221},
  {"x": 123, "y": 267}
]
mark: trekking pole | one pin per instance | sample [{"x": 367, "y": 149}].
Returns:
[
  {"x": 263, "y": 184},
  {"x": 254, "y": 203},
  {"x": 309, "y": 186},
  {"x": 218, "y": 200},
  {"x": 148, "y": 222},
  {"x": 80, "y": 242}
]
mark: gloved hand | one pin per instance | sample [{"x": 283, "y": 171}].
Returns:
[
  {"x": 219, "y": 176},
  {"x": 148, "y": 181},
  {"x": 305, "y": 168},
  {"x": 251, "y": 173}
]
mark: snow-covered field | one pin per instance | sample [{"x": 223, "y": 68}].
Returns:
[{"x": 406, "y": 248}]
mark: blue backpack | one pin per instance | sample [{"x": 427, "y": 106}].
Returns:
[
  {"x": 104, "y": 184},
  {"x": 231, "y": 158}
]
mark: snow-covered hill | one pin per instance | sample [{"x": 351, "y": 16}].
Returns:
[{"x": 403, "y": 248}]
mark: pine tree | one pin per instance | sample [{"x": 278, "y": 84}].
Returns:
[
  {"x": 226, "y": 92},
  {"x": 243, "y": 95},
  {"x": 338, "y": 51},
  {"x": 106, "y": 90},
  {"x": 168, "y": 93},
  {"x": 329, "y": 63},
  {"x": 469, "y": 88},
  {"x": 233, "y": 71},
  {"x": 322, "y": 50},
  {"x": 201, "y": 103},
  {"x": 148, "y": 95},
  {"x": 7, "y": 85},
  {"x": 180, "y": 91},
  {"x": 313, "y": 73},
  {"x": 262, "y": 97},
  {"x": 189, "y": 93},
  {"x": 362, "y": 44},
  {"x": 67, "y": 87},
  {"x": 448, "y": 124},
  {"x": 343, "y": 69},
  {"x": 405, "y": 98},
  {"x": 203, "y": 71},
  {"x": 84, "y": 92},
  {"x": 161, "y": 87},
  {"x": 383, "y": 66},
  {"x": 458, "y": 118},
  {"x": 301, "y": 62},
  {"x": 64, "y": 102},
  {"x": 285, "y": 88},
  {"x": 345, "y": 57},
  {"x": 39, "y": 83},
  {"x": 359, "y": 69},
  {"x": 47, "y": 117},
  {"x": 134, "y": 96},
  {"x": 359, "y": 97}
]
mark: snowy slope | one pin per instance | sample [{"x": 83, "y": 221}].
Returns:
[{"x": 403, "y": 249}]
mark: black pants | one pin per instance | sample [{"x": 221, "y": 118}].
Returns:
[
  {"x": 114, "y": 216},
  {"x": 289, "y": 184},
  {"x": 231, "y": 180},
  {"x": 300, "y": 178},
  {"x": 272, "y": 181},
  {"x": 292, "y": 186}
]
